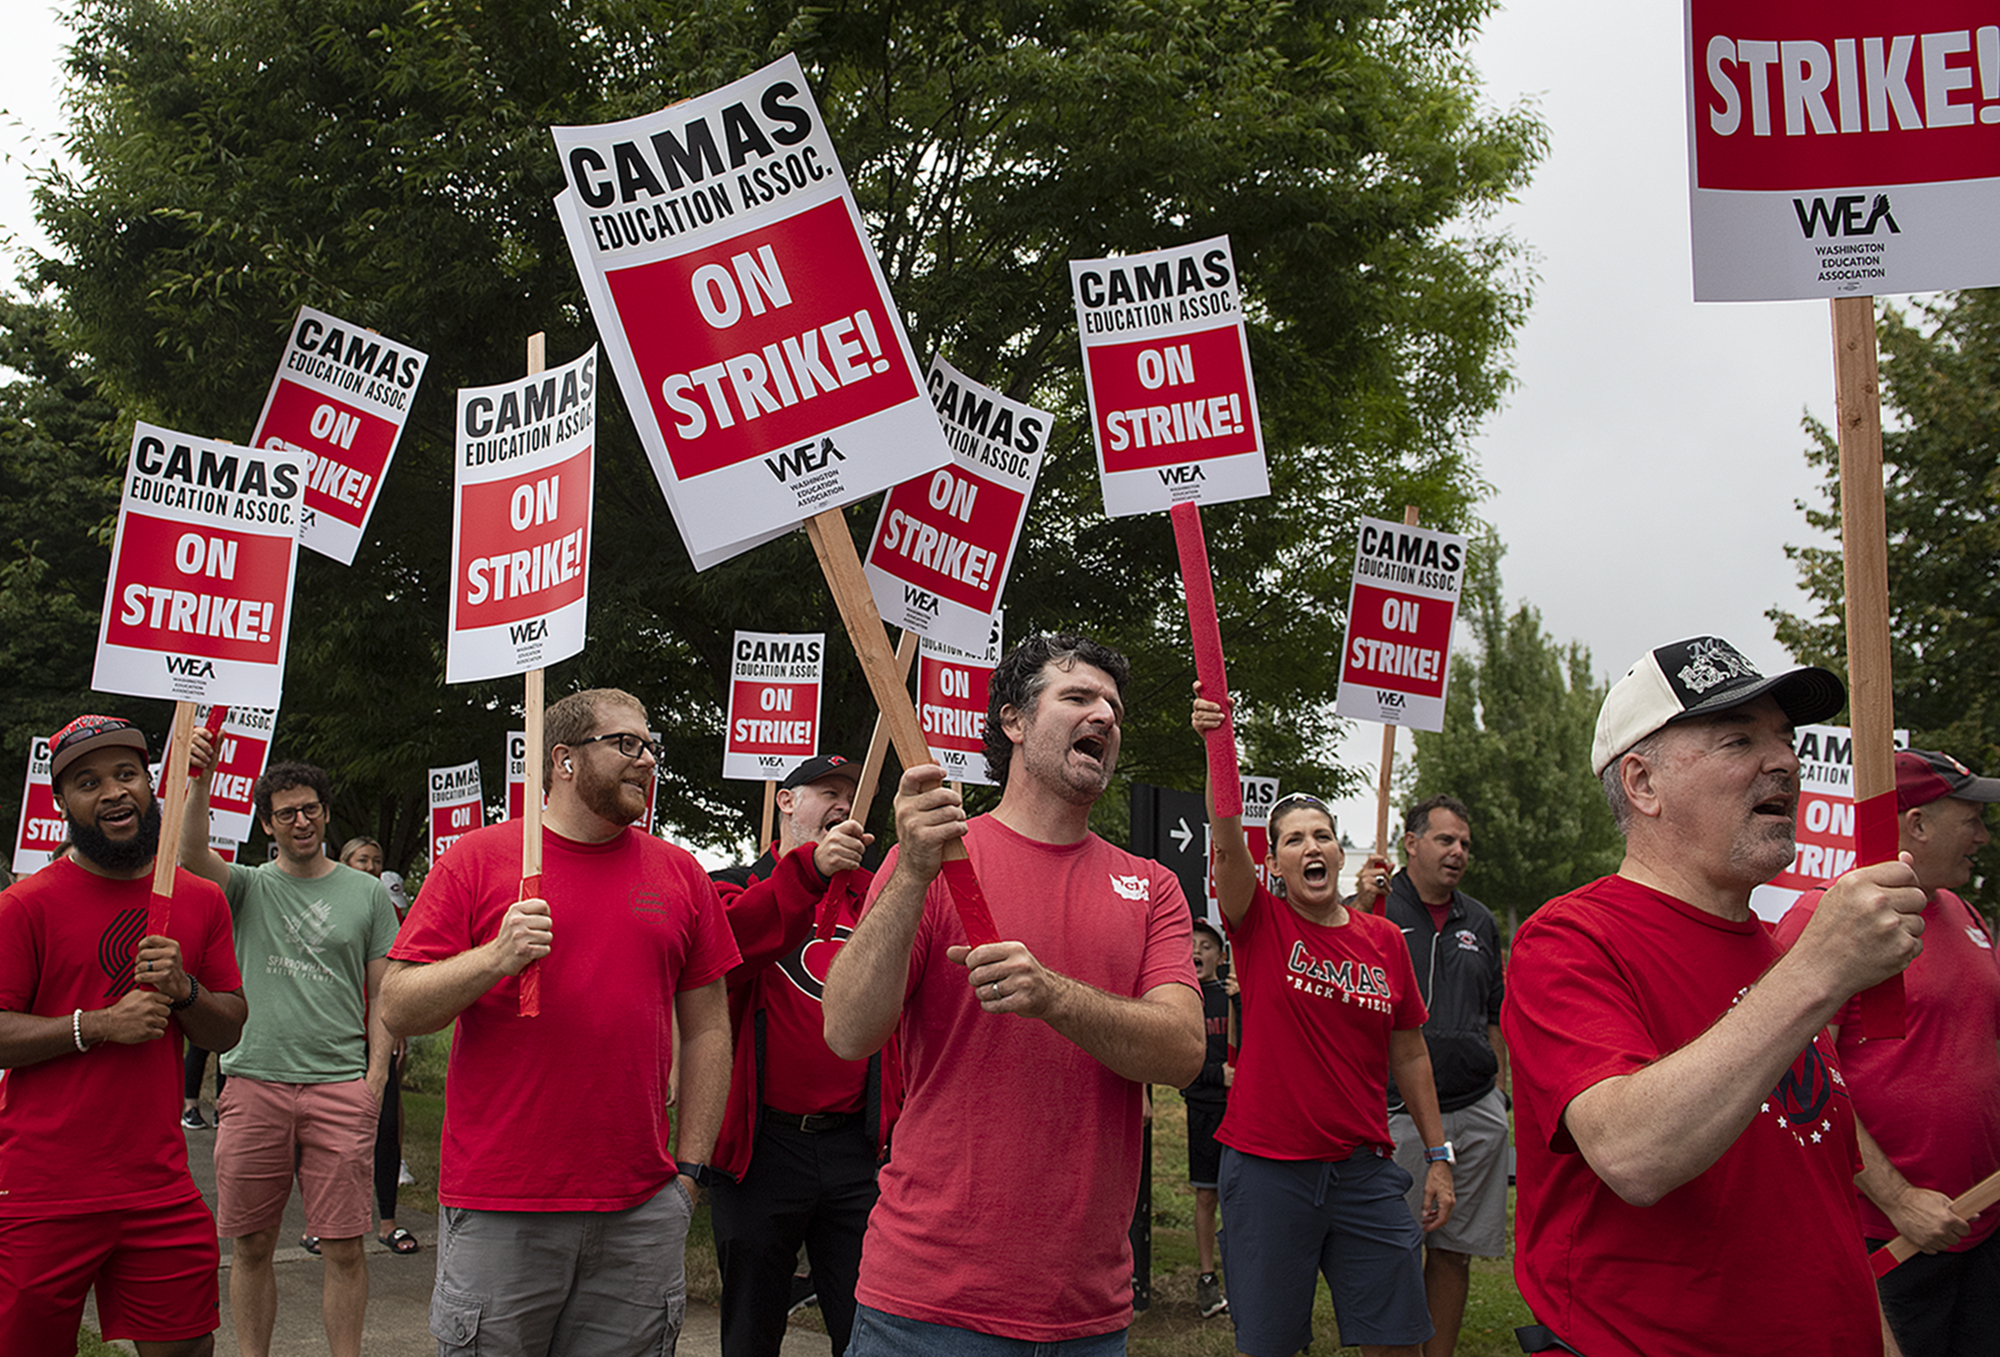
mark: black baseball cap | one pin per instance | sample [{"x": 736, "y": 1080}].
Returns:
[{"x": 819, "y": 766}]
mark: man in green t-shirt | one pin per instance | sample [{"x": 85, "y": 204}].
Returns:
[{"x": 305, "y": 1084}]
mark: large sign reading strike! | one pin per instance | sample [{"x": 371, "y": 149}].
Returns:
[
  {"x": 944, "y": 542},
  {"x": 744, "y": 310},
  {"x": 774, "y": 681},
  {"x": 520, "y": 542},
  {"x": 198, "y": 605},
  {"x": 1825, "y": 830},
  {"x": 1173, "y": 410},
  {"x": 42, "y": 829},
  {"x": 341, "y": 397},
  {"x": 1842, "y": 147},
  {"x": 1396, "y": 662},
  {"x": 456, "y": 807},
  {"x": 952, "y": 687},
  {"x": 243, "y": 747}
]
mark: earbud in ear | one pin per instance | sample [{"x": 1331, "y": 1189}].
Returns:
[{"x": 568, "y": 767}]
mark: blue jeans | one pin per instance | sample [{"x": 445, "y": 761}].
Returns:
[{"x": 879, "y": 1334}]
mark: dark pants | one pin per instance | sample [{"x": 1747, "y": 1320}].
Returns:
[
  {"x": 191, "y": 1070},
  {"x": 389, "y": 1144},
  {"x": 815, "y": 1189},
  {"x": 1945, "y": 1304}
]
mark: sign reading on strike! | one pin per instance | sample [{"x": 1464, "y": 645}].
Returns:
[
  {"x": 520, "y": 542},
  {"x": 1259, "y": 795},
  {"x": 1825, "y": 830},
  {"x": 1396, "y": 661},
  {"x": 744, "y": 310},
  {"x": 1838, "y": 147},
  {"x": 517, "y": 773},
  {"x": 1173, "y": 410},
  {"x": 199, "y": 601},
  {"x": 456, "y": 807},
  {"x": 243, "y": 747},
  {"x": 944, "y": 542},
  {"x": 774, "y": 683},
  {"x": 341, "y": 398},
  {"x": 951, "y": 700},
  {"x": 42, "y": 828}
]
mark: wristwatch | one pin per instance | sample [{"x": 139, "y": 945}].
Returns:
[
  {"x": 194, "y": 992},
  {"x": 702, "y": 1174},
  {"x": 1441, "y": 1154}
]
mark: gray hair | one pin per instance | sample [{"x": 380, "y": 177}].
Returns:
[{"x": 1648, "y": 747}]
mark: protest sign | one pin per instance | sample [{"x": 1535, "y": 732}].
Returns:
[
  {"x": 1396, "y": 660},
  {"x": 944, "y": 542},
  {"x": 744, "y": 311},
  {"x": 242, "y": 747},
  {"x": 1825, "y": 830},
  {"x": 341, "y": 398},
  {"x": 1166, "y": 364},
  {"x": 198, "y": 604},
  {"x": 521, "y": 534},
  {"x": 951, "y": 699},
  {"x": 456, "y": 806},
  {"x": 517, "y": 772},
  {"x": 42, "y": 829},
  {"x": 1837, "y": 148},
  {"x": 774, "y": 681}
]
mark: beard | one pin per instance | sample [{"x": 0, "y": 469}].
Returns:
[
  {"x": 119, "y": 856},
  {"x": 610, "y": 798}
]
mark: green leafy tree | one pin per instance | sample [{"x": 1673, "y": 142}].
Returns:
[
  {"x": 391, "y": 163},
  {"x": 1516, "y": 749},
  {"x": 1941, "y": 487}
]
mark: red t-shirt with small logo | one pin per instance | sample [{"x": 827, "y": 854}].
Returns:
[{"x": 1319, "y": 1003}]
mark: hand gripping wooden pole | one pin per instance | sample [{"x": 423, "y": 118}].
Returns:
[
  {"x": 1900, "y": 1250},
  {"x": 173, "y": 810},
  {"x": 530, "y": 1005},
  {"x": 842, "y": 567},
  {"x": 1225, "y": 778},
  {"x": 1864, "y": 538}
]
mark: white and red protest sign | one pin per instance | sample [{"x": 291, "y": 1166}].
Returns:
[
  {"x": 1397, "y": 658},
  {"x": 1825, "y": 829},
  {"x": 1173, "y": 410},
  {"x": 952, "y": 687},
  {"x": 944, "y": 542},
  {"x": 520, "y": 540},
  {"x": 242, "y": 748},
  {"x": 517, "y": 773},
  {"x": 42, "y": 829},
  {"x": 341, "y": 398},
  {"x": 1838, "y": 147},
  {"x": 744, "y": 311},
  {"x": 456, "y": 806},
  {"x": 198, "y": 606},
  {"x": 1259, "y": 795},
  {"x": 774, "y": 681}
]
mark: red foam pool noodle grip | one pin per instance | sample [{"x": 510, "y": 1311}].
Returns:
[
  {"x": 1875, "y": 841},
  {"x": 159, "y": 913},
  {"x": 973, "y": 912},
  {"x": 531, "y": 974},
  {"x": 1225, "y": 781}
]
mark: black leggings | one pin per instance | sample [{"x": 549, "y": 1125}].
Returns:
[
  {"x": 389, "y": 1144},
  {"x": 191, "y": 1068}
]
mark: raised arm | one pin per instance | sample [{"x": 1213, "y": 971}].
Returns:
[
  {"x": 196, "y": 853},
  {"x": 865, "y": 984},
  {"x": 1235, "y": 869}
]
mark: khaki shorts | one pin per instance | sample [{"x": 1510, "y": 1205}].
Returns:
[
  {"x": 1478, "y": 1136},
  {"x": 324, "y": 1134}
]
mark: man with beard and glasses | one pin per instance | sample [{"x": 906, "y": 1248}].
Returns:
[
  {"x": 804, "y": 1129},
  {"x": 565, "y": 1217},
  {"x": 1007, "y": 1199},
  {"x": 306, "y": 1083},
  {"x": 94, "y": 1182},
  {"x": 1687, "y": 1148}
]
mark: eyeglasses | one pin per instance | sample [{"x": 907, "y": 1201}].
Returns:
[
  {"x": 630, "y": 745},
  {"x": 311, "y": 811}
]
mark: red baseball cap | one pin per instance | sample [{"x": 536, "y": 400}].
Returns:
[
  {"x": 1925, "y": 775},
  {"x": 86, "y": 733}
]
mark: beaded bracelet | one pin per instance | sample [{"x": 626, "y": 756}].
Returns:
[{"x": 76, "y": 1029}]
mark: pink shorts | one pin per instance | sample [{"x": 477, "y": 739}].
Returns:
[
  {"x": 154, "y": 1268},
  {"x": 266, "y": 1132}
]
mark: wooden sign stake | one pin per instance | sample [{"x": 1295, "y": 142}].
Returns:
[
  {"x": 1388, "y": 754},
  {"x": 531, "y": 793},
  {"x": 173, "y": 810},
  {"x": 764, "y": 821},
  {"x": 878, "y": 742},
  {"x": 1864, "y": 540}
]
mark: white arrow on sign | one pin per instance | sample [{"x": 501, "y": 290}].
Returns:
[{"x": 1184, "y": 836}]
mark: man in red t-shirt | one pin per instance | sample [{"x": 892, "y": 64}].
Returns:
[
  {"x": 94, "y": 1182},
  {"x": 1007, "y": 1200},
  {"x": 817, "y": 1124},
  {"x": 1929, "y": 1105},
  {"x": 1686, "y": 1146},
  {"x": 569, "y": 1219}
]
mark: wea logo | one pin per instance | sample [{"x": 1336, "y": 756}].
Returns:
[{"x": 1842, "y": 216}]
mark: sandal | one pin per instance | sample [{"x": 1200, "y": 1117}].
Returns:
[
  {"x": 401, "y": 1241},
  {"x": 309, "y": 1242}
]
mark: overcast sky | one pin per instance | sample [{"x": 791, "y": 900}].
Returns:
[{"x": 1646, "y": 468}]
